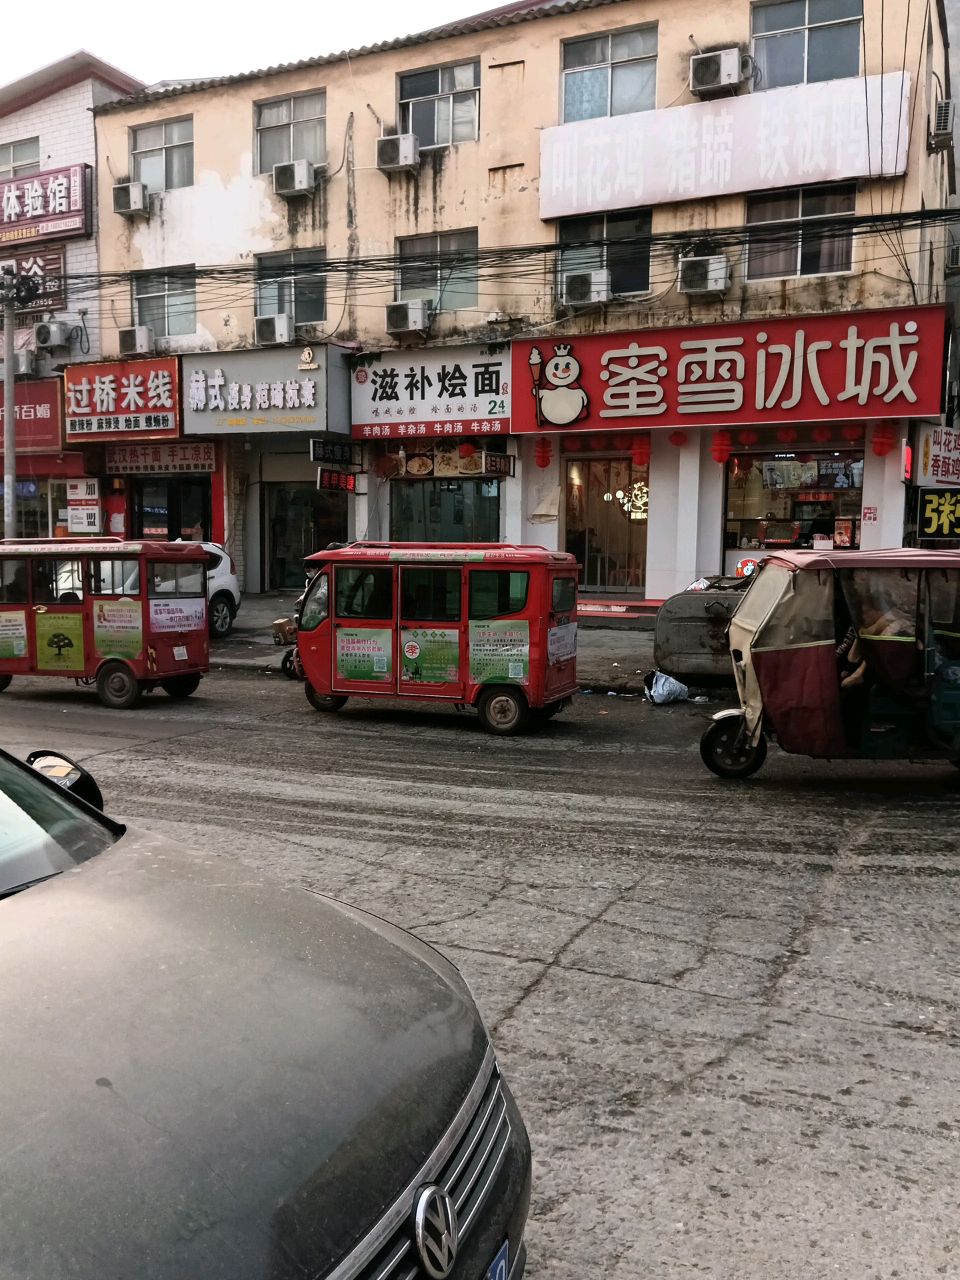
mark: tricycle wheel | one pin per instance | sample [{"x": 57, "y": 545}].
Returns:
[
  {"x": 4, "y": 682},
  {"x": 503, "y": 710},
  {"x": 323, "y": 701},
  {"x": 117, "y": 686},
  {"x": 288, "y": 666},
  {"x": 726, "y": 753},
  {"x": 180, "y": 686}
]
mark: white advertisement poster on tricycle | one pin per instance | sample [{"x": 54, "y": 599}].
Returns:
[
  {"x": 13, "y": 634},
  {"x": 178, "y": 615}
]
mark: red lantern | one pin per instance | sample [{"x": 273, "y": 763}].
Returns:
[
  {"x": 748, "y": 437},
  {"x": 883, "y": 439},
  {"x": 852, "y": 432},
  {"x": 721, "y": 446},
  {"x": 571, "y": 444},
  {"x": 640, "y": 451},
  {"x": 599, "y": 442},
  {"x": 822, "y": 434},
  {"x": 543, "y": 454},
  {"x": 467, "y": 450},
  {"x": 678, "y": 439},
  {"x": 787, "y": 435}
]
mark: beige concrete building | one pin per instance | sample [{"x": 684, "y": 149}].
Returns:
[{"x": 543, "y": 174}]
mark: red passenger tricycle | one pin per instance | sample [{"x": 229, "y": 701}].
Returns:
[
  {"x": 488, "y": 625},
  {"x": 124, "y": 616}
]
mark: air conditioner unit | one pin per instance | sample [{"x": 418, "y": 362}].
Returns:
[
  {"x": 953, "y": 258},
  {"x": 941, "y": 126},
  {"x": 138, "y": 341},
  {"x": 51, "y": 334},
  {"x": 715, "y": 73},
  {"x": 704, "y": 275},
  {"x": 130, "y": 199},
  {"x": 24, "y": 364},
  {"x": 273, "y": 331},
  {"x": 397, "y": 153},
  {"x": 409, "y": 317},
  {"x": 297, "y": 178},
  {"x": 583, "y": 287}
]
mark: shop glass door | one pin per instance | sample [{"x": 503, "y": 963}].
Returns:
[
  {"x": 169, "y": 508},
  {"x": 431, "y": 633},
  {"x": 445, "y": 510},
  {"x": 606, "y": 523},
  {"x": 300, "y": 520}
]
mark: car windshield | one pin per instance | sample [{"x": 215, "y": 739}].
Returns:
[{"x": 42, "y": 832}]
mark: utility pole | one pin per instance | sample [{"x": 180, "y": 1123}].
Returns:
[{"x": 9, "y": 288}]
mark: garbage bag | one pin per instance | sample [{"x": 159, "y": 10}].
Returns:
[
  {"x": 701, "y": 584},
  {"x": 661, "y": 688}
]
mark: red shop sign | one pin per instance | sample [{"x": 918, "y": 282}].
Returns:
[
  {"x": 126, "y": 400},
  {"x": 44, "y": 206},
  {"x": 864, "y": 364},
  {"x": 37, "y": 407}
]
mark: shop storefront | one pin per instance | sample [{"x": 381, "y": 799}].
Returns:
[
  {"x": 43, "y": 467},
  {"x": 933, "y": 501},
  {"x": 434, "y": 424},
  {"x": 659, "y": 456},
  {"x": 262, "y": 408}
]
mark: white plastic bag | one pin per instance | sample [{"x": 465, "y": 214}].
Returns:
[{"x": 661, "y": 689}]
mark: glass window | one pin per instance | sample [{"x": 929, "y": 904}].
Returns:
[
  {"x": 495, "y": 593},
  {"x": 19, "y": 159},
  {"x": 175, "y": 579},
  {"x": 13, "y": 581},
  {"x": 441, "y": 105},
  {"x": 115, "y": 577},
  {"x": 432, "y": 510},
  {"x": 57, "y": 582},
  {"x": 364, "y": 592},
  {"x": 317, "y": 604},
  {"x": 806, "y": 41},
  {"x": 293, "y": 283},
  {"x": 564, "y": 595},
  {"x": 163, "y": 154},
  {"x": 430, "y": 595},
  {"x": 619, "y": 242},
  {"x": 167, "y": 301},
  {"x": 292, "y": 129},
  {"x": 800, "y": 235},
  {"x": 441, "y": 267},
  {"x": 610, "y": 75}
]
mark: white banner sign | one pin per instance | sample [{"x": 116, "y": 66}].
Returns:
[
  {"x": 937, "y": 460},
  {"x": 178, "y": 615},
  {"x": 753, "y": 142}
]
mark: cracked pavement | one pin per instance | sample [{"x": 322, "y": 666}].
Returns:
[{"x": 729, "y": 1011}]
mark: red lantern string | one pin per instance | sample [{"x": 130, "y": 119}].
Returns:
[
  {"x": 467, "y": 450},
  {"x": 543, "y": 454},
  {"x": 571, "y": 444},
  {"x": 822, "y": 434},
  {"x": 853, "y": 431},
  {"x": 748, "y": 437},
  {"x": 678, "y": 439},
  {"x": 640, "y": 451},
  {"x": 787, "y": 435},
  {"x": 599, "y": 442},
  {"x": 721, "y": 446},
  {"x": 883, "y": 440}
]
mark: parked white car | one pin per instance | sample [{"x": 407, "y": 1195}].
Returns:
[{"x": 223, "y": 590}]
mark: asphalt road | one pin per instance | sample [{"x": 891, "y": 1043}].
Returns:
[{"x": 729, "y": 1011}]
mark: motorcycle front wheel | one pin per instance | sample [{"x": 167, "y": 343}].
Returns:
[{"x": 725, "y": 751}]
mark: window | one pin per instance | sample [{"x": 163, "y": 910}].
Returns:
[
  {"x": 293, "y": 283},
  {"x": 115, "y": 577},
  {"x": 610, "y": 75},
  {"x": 167, "y": 301},
  {"x": 174, "y": 579},
  {"x": 442, "y": 267},
  {"x": 292, "y": 129},
  {"x": 316, "y": 606},
  {"x": 806, "y": 41},
  {"x": 13, "y": 582},
  {"x": 430, "y": 595},
  {"x": 564, "y": 595},
  {"x": 494, "y": 593},
  {"x": 591, "y": 244},
  {"x": 57, "y": 582},
  {"x": 441, "y": 105},
  {"x": 802, "y": 236},
  {"x": 163, "y": 154},
  {"x": 365, "y": 593},
  {"x": 18, "y": 159}
]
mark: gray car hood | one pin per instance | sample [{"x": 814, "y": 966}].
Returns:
[{"x": 205, "y": 1075}]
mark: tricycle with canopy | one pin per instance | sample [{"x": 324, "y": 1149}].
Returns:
[{"x": 850, "y": 655}]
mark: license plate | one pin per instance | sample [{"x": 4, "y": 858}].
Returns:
[
  {"x": 499, "y": 1268},
  {"x": 180, "y": 652}
]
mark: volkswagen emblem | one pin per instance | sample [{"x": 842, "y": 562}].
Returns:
[{"x": 436, "y": 1231}]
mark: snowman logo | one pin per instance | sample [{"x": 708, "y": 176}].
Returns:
[{"x": 562, "y": 400}]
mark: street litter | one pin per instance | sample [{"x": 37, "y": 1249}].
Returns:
[{"x": 661, "y": 689}]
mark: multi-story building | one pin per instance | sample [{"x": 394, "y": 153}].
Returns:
[
  {"x": 659, "y": 286},
  {"x": 48, "y": 218}
]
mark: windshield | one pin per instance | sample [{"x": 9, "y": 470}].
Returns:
[{"x": 42, "y": 832}]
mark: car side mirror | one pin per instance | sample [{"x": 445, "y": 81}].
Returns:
[{"x": 67, "y": 774}]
